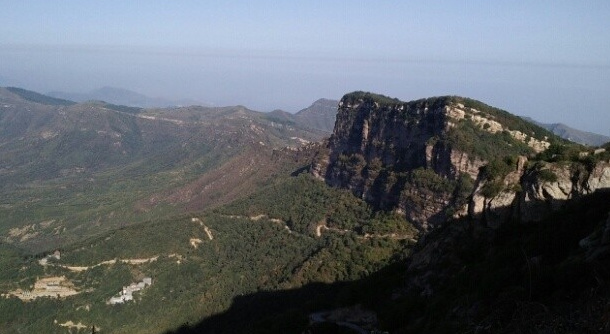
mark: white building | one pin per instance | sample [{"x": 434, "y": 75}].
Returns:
[{"x": 126, "y": 293}]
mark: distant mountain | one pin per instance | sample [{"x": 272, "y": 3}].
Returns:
[
  {"x": 281, "y": 116},
  {"x": 575, "y": 135},
  {"x": 99, "y": 148},
  {"x": 123, "y": 97},
  {"x": 320, "y": 115},
  {"x": 39, "y": 98}
]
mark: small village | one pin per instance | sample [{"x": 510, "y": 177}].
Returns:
[{"x": 126, "y": 294}]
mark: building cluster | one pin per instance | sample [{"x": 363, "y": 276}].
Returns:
[{"x": 127, "y": 293}]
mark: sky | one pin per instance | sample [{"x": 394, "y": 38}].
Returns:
[{"x": 549, "y": 60}]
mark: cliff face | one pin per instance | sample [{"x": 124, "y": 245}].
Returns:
[
  {"x": 402, "y": 135},
  {"x": 392, "y": 154},
  {"x": 532, "y": 194},
  {"x": 426, "y": 159}
]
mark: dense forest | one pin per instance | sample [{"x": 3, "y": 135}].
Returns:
[{"x": 256, "y": 246}]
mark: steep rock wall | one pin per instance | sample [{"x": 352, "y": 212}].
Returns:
[
  {"x": 420, "y": 159},
  {"x": 532, "y": 194},
  {"x": 376, "y": 144}
]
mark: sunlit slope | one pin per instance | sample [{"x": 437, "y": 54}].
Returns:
[{"x": 70, "y": 170}]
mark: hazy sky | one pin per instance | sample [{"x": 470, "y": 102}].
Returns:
[{"x": 546, "y": 59}]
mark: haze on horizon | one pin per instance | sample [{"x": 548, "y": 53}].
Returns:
[{"x": 549, "y": 60}]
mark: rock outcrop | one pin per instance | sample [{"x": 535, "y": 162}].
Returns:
[
  {"x": 532, "y": 194},
  {"x": 424, "y": 160},
  {"x": 496, "y": 209},
  {"x": 377, "y": 143}
]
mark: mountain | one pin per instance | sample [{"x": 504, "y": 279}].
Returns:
[
  {"x": 421, "y": 157},
  {"x": 521, "y": 253},
  {"x": 36, "y": 97},
  {"x": 439, "y": 215},
  {"x": 320, "y": 115},
  {"x": 575, "y": 135},
  {"x": 526, "y": 259},
  {"x": 122, "y": 96},
  {"x": 92, "y": 167},
  {"x": 445, "y": 157}
]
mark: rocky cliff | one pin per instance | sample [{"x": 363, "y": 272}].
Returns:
[
  {"x": 435, "y": 158},
  {"x": 533, "y": 193}
]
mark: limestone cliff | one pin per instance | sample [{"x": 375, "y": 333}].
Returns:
[
  {"x": 436, "y": 158},
  {"x": 532, "y": 194},
  {"x": 378, "y": 143}
]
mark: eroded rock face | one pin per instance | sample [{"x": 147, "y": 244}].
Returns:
[
  {"x": 538, "y": 196},
  {"x": 541, "y": 197},
  {"x": 403, "y": 156},
  {"x": 451, "y": 162},
  {"x": 375, "y": 145},
  {"x": 423, "y": 207},
  {"x": 494, "y": 211},
  {"x": 599, "y": 179},
  {"x": 320, "y": 163}
]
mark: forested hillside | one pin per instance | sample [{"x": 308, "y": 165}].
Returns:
[{"x": 199, "y": 263}]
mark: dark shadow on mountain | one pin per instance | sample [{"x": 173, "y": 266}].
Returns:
[
  {"x": 550, "y": 276},
  {"x": 269, "y": 311},
  {"x": 288, "y": 311}
]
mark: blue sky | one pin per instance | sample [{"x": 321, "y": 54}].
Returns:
[{"x": 546, "y": 59}]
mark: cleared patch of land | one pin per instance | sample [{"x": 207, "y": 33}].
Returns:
[{"x": 54, "y": 287}]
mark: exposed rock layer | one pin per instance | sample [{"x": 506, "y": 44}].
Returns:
[{"x": 405, "y": 157}]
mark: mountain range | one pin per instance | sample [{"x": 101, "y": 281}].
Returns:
[
  {"x": 575, "y": 135},
  {"x": 438, "y": 215},
  {"x": 82, "y": 154},
  {"x": 320, "y": 115},
  {"x": 124, "y": 97}
]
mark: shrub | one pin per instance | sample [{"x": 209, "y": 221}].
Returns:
[
  {"x": 428, "y": 179},
  {"x": 560, "y": 152},
  {"x": 465, "y": 186},
  {"x": 547, "y": 175},
  {"x": 492, "y": 189},
  {"x": 499, "y": 168}
]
